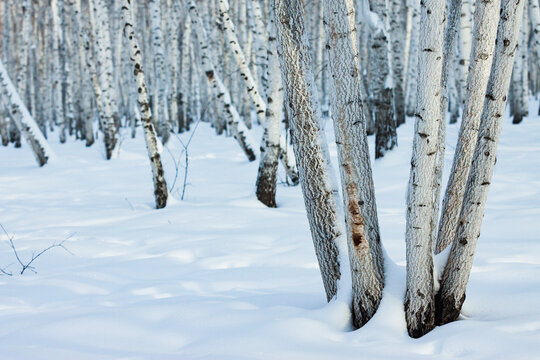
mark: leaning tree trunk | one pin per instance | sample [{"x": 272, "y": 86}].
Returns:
[
  {"x": 237, "y": 128},
  {"x": 363, "y": 237},
  {"x": 382, "y": 92},
  {"x": 456, "y": 273},
  {"x": 419, "y": 306},
  {"x": 24, "y": 121},
  {"x": 160, "y": 186},
  {"x": 485, "y": 30},
  {"x": 321, "y": 196},
  {"x": 465, "y": 37}
]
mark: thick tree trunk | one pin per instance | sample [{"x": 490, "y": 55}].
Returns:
[
  {"x": 360, "y": 210},
  {"x": 456, "y": 273},
  {"x": 485, "y": 30},
  {"x": 160, "y": 186},
  {"x": 321, "y": 196},
  {"x": 419, "y": 306}
]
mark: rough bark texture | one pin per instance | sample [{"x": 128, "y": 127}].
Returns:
[
  {"x": 419, "y": 306},
  {"x": 485, "y": 30},
  {"x": 363, "y": 237},
  {"x": 397, "y": 36},
  {"x": 456, "y": 274},
  {"x": 160, "y": 186},
  {"x": 321, "y": 196},
  {"x": 412, "y": 66}
]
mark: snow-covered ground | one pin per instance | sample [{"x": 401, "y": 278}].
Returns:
[{"x": 219, "y": 276}]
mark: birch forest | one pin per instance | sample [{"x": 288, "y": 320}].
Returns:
[{"x": 315, "y": 107}]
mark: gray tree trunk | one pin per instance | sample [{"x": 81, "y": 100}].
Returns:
[{"x": 321, "y": 196}]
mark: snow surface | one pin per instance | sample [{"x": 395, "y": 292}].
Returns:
[{"x": 219, "y": 276}]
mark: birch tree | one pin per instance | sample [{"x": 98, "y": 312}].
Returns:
[
  {"x": 485, "y": 30},
  {"x": 382, "y": 92},
  {"x": 221, "y": 94},
  {"x": 362, "y": 228},
  {"x": 24, "y": 121},
  {"x": 100, "y": 25},
  {"x": 456, "y": 273},
  {"x": 160, "y": 186},
  {"x": 320, "y": 192},
  {"x": 419, "y": 300}
]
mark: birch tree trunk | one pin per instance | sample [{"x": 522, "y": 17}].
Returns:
[
  {"x": 485, "y": 30},
  {"x": 267, "y": 173},
  {"x": 456, "y": 273},
  {"x": 238, "y": 130},
  {"x": 160, "y": 186},
  {"x": 321, "y": 197},
  {"x": 465, "y": 36},
  {"x": 161, "y": 110},
  {"x": 534, "y": 15},
  {"x": 419, "y": 305},
  {"x": 520, "y": 83},
  {"x": 397, "y": 37},
  {"x": 100, "y": 26},
  {"x": 24, "y": 121},
  {"x": 382, "y": 91},
  {"x": 412, "y": 67},
  {"x": 362, "y": 227},
  {"x": 57, "y": 69}
]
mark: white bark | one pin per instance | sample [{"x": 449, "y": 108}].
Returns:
[
  {"x": 534, "y": 16},
  {"x": 412, "y": 67},
  {"x": 57, "y": 69},
  {"x": 237, "y": 128},
  {"x": 160, "y": 186},
  {"x": 485, "y": 30},
  {"x": 465, "y": 36},
  {"x": 362, "y": 227},
  {"x": 24, "y": 121},
  {"x": 100, "y": 26},
  {"x": 321, "y": 197},
  {"x": 456, "y": 274},
  {"x": 270, "y": 144},
  {"x": 419, "y": 305},
  {"x": 161, "y": 109},
  {"x": 381, "y": 89}
]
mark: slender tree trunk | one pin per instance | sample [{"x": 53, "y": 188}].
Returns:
[
  {"x": 397, "y": 37},
  {"x": 419, "y": 305},
  {"x": 100, "y": 26},
  {"x": 412, "y": 67},
  {"x": 58, "y": 39},
  {"x": 160, "y": 186},
  {"x": 485, "y": 30},
  {"x": 321, "y": 196},
  {"x": 382, "y": 91},
  {"x": 267, "y": 173},
  {"x": 465, "y": 35},
  {"x": 456, "y": 273}
]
